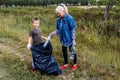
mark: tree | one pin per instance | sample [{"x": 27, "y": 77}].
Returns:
[{"x": 109, "y": 5}]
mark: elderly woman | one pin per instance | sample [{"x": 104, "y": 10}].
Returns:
[{"x": 65, "y": 28}]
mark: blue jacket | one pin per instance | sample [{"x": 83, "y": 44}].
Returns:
[{"x": 65, "y": 28}]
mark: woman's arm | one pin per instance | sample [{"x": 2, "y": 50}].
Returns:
[
  {"x": 73, "y": 26},
  {"x": 73, "y": 34},
  {"x": 73, "y": 37}
]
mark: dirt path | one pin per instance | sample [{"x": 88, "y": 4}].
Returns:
[
  {"x": 3, "y": 73},
  {"x": 14, "y": 51},
  {"x": 3, "y": 47}
]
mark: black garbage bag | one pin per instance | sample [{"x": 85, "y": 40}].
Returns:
[{"x": 44, "y": 60}]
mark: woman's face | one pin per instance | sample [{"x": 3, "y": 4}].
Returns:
[{"x": 61, "y": 14}]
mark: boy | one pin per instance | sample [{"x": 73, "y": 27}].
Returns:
[{"x": 35, "y": 37}]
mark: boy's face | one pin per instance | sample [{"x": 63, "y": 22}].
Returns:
[{"x": 36, "y": 23}]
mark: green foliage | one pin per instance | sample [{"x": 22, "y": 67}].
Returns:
[
  {"x": 99, "y": 2},
  {"x": 111, "y": 28},
  {"x": 42, "y": 2},
  {"x": 49, "y": 2}
]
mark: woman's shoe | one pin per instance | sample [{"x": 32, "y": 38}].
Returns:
[
  {"x": 74, "y": 67},
  {"x": 64, "y": 66}
]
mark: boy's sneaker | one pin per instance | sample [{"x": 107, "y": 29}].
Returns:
[
  {"x": 64, "y": 66},
  {"x": 74, "y": 67}
]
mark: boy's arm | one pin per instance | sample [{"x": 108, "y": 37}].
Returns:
[
  {"x": 29, "y": 42},
  {"x": 43, "y": 37}
]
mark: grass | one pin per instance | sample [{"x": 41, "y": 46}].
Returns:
[{"x": 97, "y": 50}]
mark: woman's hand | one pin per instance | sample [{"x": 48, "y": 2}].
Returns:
[
  {"x": 52, "y": 33},
  {"x": 74, "y": 42}
]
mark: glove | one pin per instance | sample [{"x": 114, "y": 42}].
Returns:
[
  {"x": 74, "y": 42},
  {"x": 29, "y": 45}
]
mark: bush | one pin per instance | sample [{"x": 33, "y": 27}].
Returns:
[
  {"x": 108, "y": 28},
  {"x": 83, "y": 17}
]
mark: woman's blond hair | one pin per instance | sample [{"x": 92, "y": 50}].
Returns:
[{"x": 61, "y": 7}]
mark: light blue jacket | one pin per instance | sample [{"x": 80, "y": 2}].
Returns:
[{"x": 65, "y": 28}]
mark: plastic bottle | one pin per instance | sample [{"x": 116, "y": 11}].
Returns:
[
  {"x": 47, "y": 41},
  {"x": 72, "y": 55}
]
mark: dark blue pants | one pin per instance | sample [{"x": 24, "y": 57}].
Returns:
[{"x": 65, "y": 55}]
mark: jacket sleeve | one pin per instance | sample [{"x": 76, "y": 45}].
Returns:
[
  {"x": 57, "y": 28},
  {"x": 72, "y": 26},
  {"x": 73, "y": 33}
]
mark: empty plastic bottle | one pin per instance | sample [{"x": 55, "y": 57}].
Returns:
[
  {"x": 47, "y": 41},
  {"x": 72, "y": 55}
]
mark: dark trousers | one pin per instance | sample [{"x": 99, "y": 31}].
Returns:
[{"x": 65, "y": 55}]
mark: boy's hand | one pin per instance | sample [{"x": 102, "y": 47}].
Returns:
[
  {"x": 29, "y": 45},
  {"x": 43, "y": 37}
]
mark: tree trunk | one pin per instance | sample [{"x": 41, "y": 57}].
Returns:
[{"x": 108, "y": 7}]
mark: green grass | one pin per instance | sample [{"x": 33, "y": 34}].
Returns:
[{"x": 98, "y": 45}]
